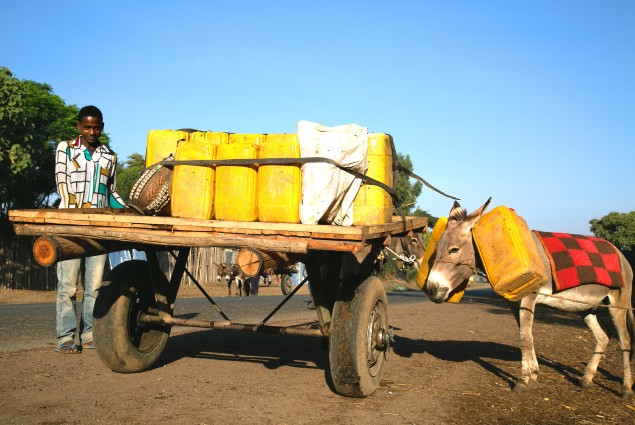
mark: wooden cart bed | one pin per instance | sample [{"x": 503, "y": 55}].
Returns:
[{"x": 125, "y": 226}]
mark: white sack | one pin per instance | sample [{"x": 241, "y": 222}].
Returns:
[{"x": 327, "y": 191}]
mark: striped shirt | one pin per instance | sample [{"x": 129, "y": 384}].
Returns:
[{"x": 86, "y": 180}]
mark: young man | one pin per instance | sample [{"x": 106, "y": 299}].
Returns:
[{"x": 85, "y": 174}]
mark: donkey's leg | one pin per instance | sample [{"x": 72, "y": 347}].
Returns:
[
  {"x": 624, "y": 338},
  {"x": 601, "y": 341},
  {"x": 524, "y": 315}
]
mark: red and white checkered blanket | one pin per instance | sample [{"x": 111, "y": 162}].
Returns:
[{"x": 578, "y": 260}]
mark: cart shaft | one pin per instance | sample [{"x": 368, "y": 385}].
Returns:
[{"x": 228, "y": 325}]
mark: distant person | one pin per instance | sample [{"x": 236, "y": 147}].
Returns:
[
  {"x": 85, "y": 174},
  {"x": 254, "y": 284}
]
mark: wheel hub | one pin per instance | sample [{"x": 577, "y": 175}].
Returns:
[
  {"x": 381, "y": 339},
  {"x": 378, "y": 338}
]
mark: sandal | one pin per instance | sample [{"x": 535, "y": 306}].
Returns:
[
  {"x": 67, "y": 347},
  {"x": 88, "y": 344}
]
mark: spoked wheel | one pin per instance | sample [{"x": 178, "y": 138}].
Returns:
[
  {"x": 286, "y": 284},
  {"x": 122, "y": 342},
  {"x": 359, "y": 338}
]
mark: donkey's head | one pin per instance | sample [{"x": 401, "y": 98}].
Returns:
[
  {"x": 407, "y": 250},
  {"x": 455, "y": 260},
  {"x": 225, "y": 272}
]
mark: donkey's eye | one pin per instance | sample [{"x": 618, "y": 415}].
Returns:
[{"x": 454, "y": 250}]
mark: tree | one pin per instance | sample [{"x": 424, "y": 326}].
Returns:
[
  {"x": 432, "y": 220},
  {"x": 617, "y": 228},
  {"x": 127, "y": 174},
  {"x": 406, "y": 192},
  {"x": 12, "y": 116},
  {"x": 33, "y": 120}
]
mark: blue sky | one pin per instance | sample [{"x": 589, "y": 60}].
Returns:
[{"x": 530, "y": 102}]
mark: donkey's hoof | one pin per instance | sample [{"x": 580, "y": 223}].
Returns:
[
  {"x": 627, "y": 394},
  {"x": 585, "y": 385},
  {"x": 521, "y": 387}
]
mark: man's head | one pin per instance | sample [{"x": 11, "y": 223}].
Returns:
[{"x": 90, "y": 124}]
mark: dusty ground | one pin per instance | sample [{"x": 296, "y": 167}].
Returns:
[{"x": 451, "y": 364}]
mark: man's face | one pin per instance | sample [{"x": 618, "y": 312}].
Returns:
[{"x": 90, "y": 129}]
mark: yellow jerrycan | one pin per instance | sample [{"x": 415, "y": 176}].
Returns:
[
  {"x": 280, "y": 186},
  {"x": 193, "y": 186},
  {"x": 162, "y": 143},
  {"x": 373, "y": 205},
  {"x": 236, "y": 194},
  {"x": 509, "y": 254}
]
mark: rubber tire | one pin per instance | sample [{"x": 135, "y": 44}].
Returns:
[
  {"x": 357, "y": 312},
  {"x": 122, "y": 344},
  {"x": 286, "y": 284}
]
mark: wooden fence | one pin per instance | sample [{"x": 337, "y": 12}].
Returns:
[{"x": 18, "y": 269}]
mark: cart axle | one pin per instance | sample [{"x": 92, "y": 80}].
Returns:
[{"x": 228, "y": 325}]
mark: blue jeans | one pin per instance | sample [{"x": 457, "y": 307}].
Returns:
[{"x": 67, "y": 279}]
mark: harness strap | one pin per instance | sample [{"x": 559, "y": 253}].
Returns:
[
  {"x": 402, "y": 257},
  {"x": 309, "y": 160},
  {"x": 470, "y": 263}
]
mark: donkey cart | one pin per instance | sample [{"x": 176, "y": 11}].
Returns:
[{"x": 133, "y": 311}]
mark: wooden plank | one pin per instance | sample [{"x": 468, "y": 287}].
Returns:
[
  {"x": 109, "y": 224},
  {"x": 107, "y": 218},
  {"x": 194, "y": 239},
  {"x": 396, "y": 228}
]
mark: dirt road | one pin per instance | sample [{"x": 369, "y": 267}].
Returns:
[{"x": 451, "y": 364}]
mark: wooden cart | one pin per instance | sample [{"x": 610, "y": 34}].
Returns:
[{"x": 133, "y": 311}]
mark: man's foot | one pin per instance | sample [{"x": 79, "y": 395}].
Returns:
[
  {"x": 90, "y": 344},
  {"x": 67, "y": 347}
]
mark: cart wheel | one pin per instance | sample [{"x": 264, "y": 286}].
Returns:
[
  {"x": 122, "y": 343},
  {"x": 286, "y": 284},
  {"x": 359, "y": 338}
]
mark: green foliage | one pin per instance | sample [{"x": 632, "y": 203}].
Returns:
[
  {"x": 407, "y": 192},
  {"x": 432, "y": 220},
  {"x": 425, "y": 238},
  {"x": 617, "y": 228},
  {"x": 33, "y": 120},
  {"x": 389, "y": 270},
  {"x": 127, "y": 174},
  {"x": 12, "y": 115}
]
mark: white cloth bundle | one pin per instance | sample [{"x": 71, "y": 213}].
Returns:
[{"x": 328, "y": 192}]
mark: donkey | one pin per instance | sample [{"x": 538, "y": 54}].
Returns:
[
  {"x": 404, "y": 251},
  {"x": 231, "y": 274},
  {"x": 456, "y": 260}
]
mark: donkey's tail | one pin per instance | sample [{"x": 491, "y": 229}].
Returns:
[{"x": 630, "y": 324}]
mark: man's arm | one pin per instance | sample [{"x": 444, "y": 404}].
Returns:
[
  {"x": 114, "y": 200},
  {"x": 63, "y": 177}
]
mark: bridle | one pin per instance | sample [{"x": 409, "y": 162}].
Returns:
[
  {"x": 471, "y": 263},
  {"x": 408, "y": 260}
]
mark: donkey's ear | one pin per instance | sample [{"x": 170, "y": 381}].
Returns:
[
  {"x": 476, "y": 215},
  {"x": 456, "y": 213}
]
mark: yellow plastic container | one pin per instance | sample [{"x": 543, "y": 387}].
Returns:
[
  {"x": 236, "y": 194},
  {"x": 254, "y": 139},
  {"x": 429, "y": 253},
  {"x": 192, "y": 193},
  {"x": 373, "y": 205},
  {"x": 209, "y": 137},
  {"x": 280, "y": 186},
  {"x": 511, "y": 258},
  {"x": 162, "y": 143}
]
